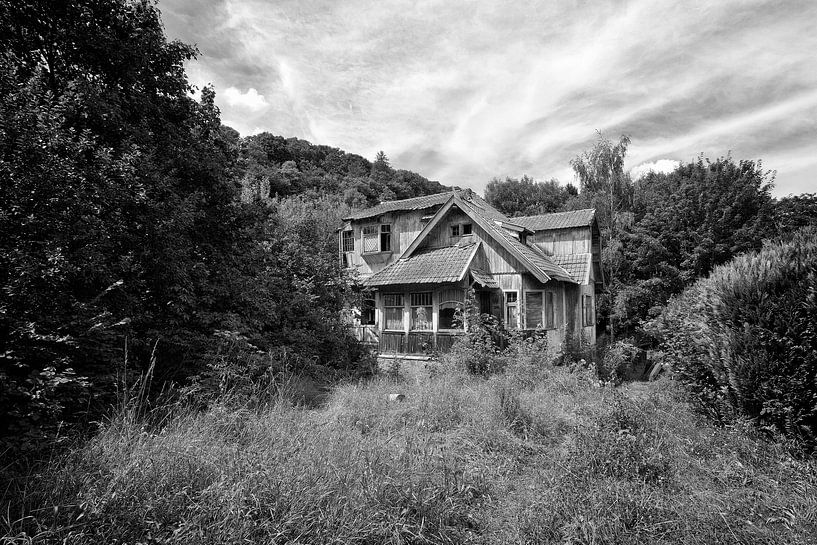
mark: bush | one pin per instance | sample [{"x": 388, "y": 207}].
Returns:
[
  {"x": 744, "y": 340},
  {"x": 620, "y": 362}
]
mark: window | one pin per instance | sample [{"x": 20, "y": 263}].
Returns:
[
  {"x": 533, "y": 309},
  {"x": 451, "y": 301},
  {"x": 511, "y": 309},
  {"x": 370, "y": 239},
  {"x": 393, "y": 303},
  {"x": 385, "y": 237},
  {"x": 367, "y": 315},
  {"x": 540, "y": 310},
  {"x": 348, "y": 239},
  {"x": 588, "y": 312},
  {"x": 461, "y": 229},
  {"x": 421, "y": 311},
  {"x": 377, "y": 238}
]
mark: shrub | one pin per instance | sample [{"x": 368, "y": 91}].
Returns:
[
  {"x": 744, "y": 340},
  {"x": 619, "y": 362}
]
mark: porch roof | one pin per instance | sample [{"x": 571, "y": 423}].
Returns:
[
  {"x": 432, "y": 266},
  {"x": 576, "y": 265},
  {"x": 484, "y": 279}
]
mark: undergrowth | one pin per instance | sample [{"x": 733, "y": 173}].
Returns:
[{"x": 534, "y": 454}]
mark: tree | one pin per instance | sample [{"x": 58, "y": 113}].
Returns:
[
  {"x": 607, "y": 187},
  {"x": 526, "y": 196},
  {"x": 685, "y": 223},
  {"x": 118, "y": 213}
]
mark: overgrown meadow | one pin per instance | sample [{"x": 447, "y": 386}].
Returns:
[{"x": 532, "y": 454}]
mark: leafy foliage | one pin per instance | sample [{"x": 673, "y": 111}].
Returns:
[
  {"x": 682, "y": 225},
  {"x": 277, "y": 166},
  {"x": 744, "y": 339},
  {"x": 124, "y": 238},
  {"x": 527, "y": 197}
]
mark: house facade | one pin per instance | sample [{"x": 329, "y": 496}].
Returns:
[{"x": 418, "y": 258}]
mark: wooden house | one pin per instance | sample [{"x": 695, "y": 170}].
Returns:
[{"x": 417, "y": 258}]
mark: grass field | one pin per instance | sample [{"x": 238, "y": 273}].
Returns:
[{"x": 528, "y": 456}]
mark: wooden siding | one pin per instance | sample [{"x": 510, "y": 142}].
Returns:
[
  {"x": 577, "y": 240},
  {"x": 493, "y": 257},
  {"x": 405, "y": 227}
]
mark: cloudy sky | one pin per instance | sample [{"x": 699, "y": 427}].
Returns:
[{"x": 461, "y": 92}]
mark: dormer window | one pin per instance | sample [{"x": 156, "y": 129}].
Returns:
[
  {"x": 455, "y": 230},
  {"x": 467, "y": 229}
]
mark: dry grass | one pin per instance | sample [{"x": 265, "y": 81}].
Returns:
[{"x": 526, "y": 457}]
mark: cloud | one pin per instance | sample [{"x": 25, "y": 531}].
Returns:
[
  {"x": 465, "y": 92},
  {"x": 250, "y": 99}
]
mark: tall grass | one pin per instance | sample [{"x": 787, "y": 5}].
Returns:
[{"x": 533, "y": 455}]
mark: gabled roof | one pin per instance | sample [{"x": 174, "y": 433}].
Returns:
[
  {"x": 427, "y": 201},
  {"x": 577, "y": 265},
  {"x": 432, "y": 266},
  {"x": 536, "y": 262},
  {"x": 557, "y": 220}
]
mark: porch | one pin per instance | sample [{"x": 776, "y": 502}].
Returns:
[{"x": 416, "y": 343}]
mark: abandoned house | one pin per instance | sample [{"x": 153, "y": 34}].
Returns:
[{"x": 418, "y": 258}]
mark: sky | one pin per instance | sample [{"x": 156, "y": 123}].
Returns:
[{"x": 465, "y": 91}]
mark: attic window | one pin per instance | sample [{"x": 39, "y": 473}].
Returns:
[
  {"x": 455, "y": 230},
  {"x": 466, "y": 229}
]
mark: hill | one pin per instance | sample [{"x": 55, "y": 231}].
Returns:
[{"x": 278, "y": 166}]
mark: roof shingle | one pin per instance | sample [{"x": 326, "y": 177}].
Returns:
[
  {"x": 557, "y": 220},
  {"x": 427, "y": 201},
  {"x": 427, "y": 267},
  {"x": 539, "y": 259},
  {"x": 577, "y": 265}
]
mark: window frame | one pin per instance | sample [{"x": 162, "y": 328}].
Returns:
[
  {"x": 347, "y": 236},
  {"x": 422, "y": 299},
  {"x": 387, "y": 306},
  {"x": 546, "y": 294},
  {"x": 512, "y": 304},
  {"x": 385, "y": 231},
  {"x": 469, "y": 227},
  {"x": 381, "y": 232},
  {"x": 441, "y": 305}
]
